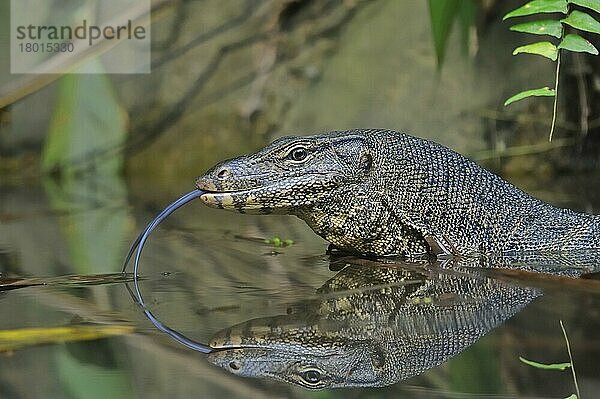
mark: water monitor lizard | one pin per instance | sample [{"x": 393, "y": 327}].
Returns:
[
  {"x": 380, "y": 192},
  {"x": 371, "y": 326}
]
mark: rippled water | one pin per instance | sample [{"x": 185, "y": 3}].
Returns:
[{"x": 69, "y": 327}]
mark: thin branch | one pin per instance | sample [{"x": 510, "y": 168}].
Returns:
[
  {"x": 525, "y": 118},
  {"x": 249, "y": 9},
  {"x": 570, "y": 359},
  {"x": 155, "y": 128},
  {"x": 555, "y": 97},
  {"x": 521, "y": 150},
  {"x": 44, "y": 75},
  {"x": 181, "y": 14},
  {"x": 584, "y": 108}
]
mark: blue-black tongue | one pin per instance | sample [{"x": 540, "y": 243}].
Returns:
[{"x": 137, "y": 247}]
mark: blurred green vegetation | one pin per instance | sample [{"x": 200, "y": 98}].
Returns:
[
  {"x": 443, "y": 15},
  {"x": 486, "y": 377},
  {"x": 83, "y": 161},
  {"x": 88, "y": 126},
  {"x": 87, "y": 380}
]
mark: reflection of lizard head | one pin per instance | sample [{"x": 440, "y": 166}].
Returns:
[
  {"x": 369, "y": 326},
  {"x": 299, "y": 356}
]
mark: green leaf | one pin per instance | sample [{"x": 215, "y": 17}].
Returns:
[
  {"x": 592, "y": 4},
  {"x": 442, "y": 15},
  {"x": 87, "y": 121},
  {"x": 582, "y": 21},
  {"x": 466, "y": 16},
  {"x": 572, "y": 396},
  {"x": 545, "y": 49},
  {"x": 545, "y": 27},
  {"x": 278, "y": 242},
  {"x": 553, "y": 366},
  {"x": 573, "y": 42},
  {"x": 541, "y": 92},
  {"x": 538, "y": 7}
]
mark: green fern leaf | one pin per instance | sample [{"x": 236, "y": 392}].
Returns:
[
  {"x": 539, "y": 7},
  {"x": 544, "y": 27},
  {"x": 576, "y": 43},
  {"x": 545, "y": 49},
  {"x": 582, "y": 21},
  {"x": 541, "y": 92},
  {"x": 554, "y": 366},
  {"x": 591, "y": 4}
]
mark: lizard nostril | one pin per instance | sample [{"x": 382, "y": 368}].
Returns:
[{"x": 223, "y": 173}]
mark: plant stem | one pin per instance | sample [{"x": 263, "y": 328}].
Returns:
[
  {"x": 555, "y": 96},
  {"x": 570, "y": 359}
]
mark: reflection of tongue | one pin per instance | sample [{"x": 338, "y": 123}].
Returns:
[{"x": 138, "y": 246}]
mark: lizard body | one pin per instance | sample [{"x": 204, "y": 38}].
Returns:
[{"x": 380, "y": 192}]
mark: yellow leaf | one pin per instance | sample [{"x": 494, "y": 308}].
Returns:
[{"x": 24, "y": 337}]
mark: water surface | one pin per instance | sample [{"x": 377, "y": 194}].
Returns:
[{"x": 205, "y": 271}]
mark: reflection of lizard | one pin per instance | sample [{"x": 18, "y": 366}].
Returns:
[
  {"x": 380, "y": 192},
  {"x": 370, "y": 326}
]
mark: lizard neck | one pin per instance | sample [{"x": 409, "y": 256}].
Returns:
[{"x": 359, "y": 220}]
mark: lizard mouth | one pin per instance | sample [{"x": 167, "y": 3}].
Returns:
[
  {"x": 227, "y": 347},
  {"x": 238, "y": 200},
  {"x": 261, "y": 194},
  {"x": 218, "y": 195}
]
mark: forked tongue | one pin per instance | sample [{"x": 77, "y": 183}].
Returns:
[{"x": 137, "y": 247}]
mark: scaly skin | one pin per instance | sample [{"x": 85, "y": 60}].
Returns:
[
  {"x": 370, "y": 326},
  {"x": 379, "y": 192}
]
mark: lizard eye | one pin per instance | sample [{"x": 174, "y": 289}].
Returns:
[
  {"x": 378, "y": 359},
  {"x": 298, "y": 154},
  {"x": 311, "y": 376}
]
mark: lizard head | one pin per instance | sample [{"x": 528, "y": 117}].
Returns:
[
  {"x": 286, "y": 350},
  {"x": 290, "y": 173}
]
